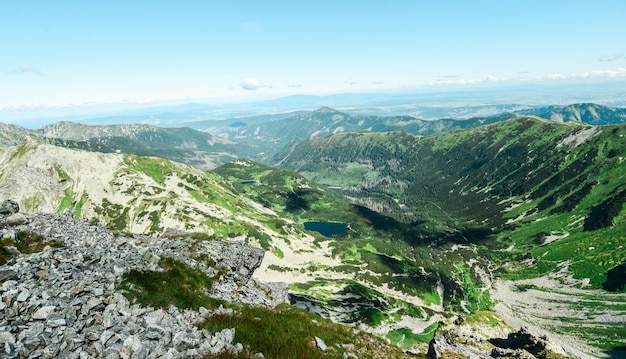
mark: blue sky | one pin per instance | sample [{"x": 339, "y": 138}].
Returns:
[{"x": 63, "y": 53}]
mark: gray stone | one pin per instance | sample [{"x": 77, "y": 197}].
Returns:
[
  {"x": 92, "y": 336},
  {"x": 55, "y": 320},
  {"x": 8, "y": 234},
  {"x": 92, "y": 303},
  {"x": 6, "y": 337},
  {"x": 9, "y": 207},
  {"x": 43, "y": 312},
  {"x": 152, "y": 335},
  {"x": 16, "y": 219},
  {"x": 23, "y": 296},
  {"x": 130, "y": 345},
  {"x": 228, "y": 335},
  {"x": 319, "y": 343},
  {"x": 205, "y": 313},
  {"x": 7, "y": 274}
]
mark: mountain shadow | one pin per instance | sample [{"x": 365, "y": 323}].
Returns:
[
  {"x": 602, "y": 215},
  {"x": 615, "y": 278}
]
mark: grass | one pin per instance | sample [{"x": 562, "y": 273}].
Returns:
[
  {"x": 157, "y": 169},
  {"x": 27, "y": 243},
  {"x": 287, "y": 332},
  {"x": 68, "y": 200},
  {"x": 405, "y": 338},
  {"x": 431, "y": 298},
  {"x": 177, "y": 285}
]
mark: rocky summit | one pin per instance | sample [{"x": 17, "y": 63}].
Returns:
[{"x": 64, "y": 301}]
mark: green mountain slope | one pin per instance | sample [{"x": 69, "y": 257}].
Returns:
[
  {"x": 372, "y": 275},
  {"x": 493, "y": 178},
  {"x": 271, "y": 136},
  {"x": 271, "y": 133},
  {"x": 539, "y": 199}
]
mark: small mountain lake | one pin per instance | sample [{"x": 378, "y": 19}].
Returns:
[{"x": 327, "y": 229}]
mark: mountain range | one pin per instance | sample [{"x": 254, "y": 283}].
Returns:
[
  {"x": 206, "y": 144},
  {"x": 514, "y": 212}
]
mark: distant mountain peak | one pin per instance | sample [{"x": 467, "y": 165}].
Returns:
[{"x": 326, "y": 109}]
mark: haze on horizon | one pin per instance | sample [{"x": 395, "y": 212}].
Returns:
[{"x": 69, "y": 53}]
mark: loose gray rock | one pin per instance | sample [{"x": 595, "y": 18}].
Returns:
[
  {"x": 43, "y": 312},
  {"x": 16, "y": 219},
  {"x": 7, "y": 274},
  {"x": 64, "y": 302}
]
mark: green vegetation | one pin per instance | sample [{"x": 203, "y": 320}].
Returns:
[
  {"x": 405, "y": 338},
  {"x": 68, "y": 200},
  {"x": 114, "y": 214},
  {"x": 155, "y": 168},
  {"x": 177, "y": 285},
  {"x": 288, "y": 332},
  {"x": 475, "y": 298},
  {"x": 26, "y": 243},
  {"x": 432, "y": 217},
  {"x": 484, "y": 317}
]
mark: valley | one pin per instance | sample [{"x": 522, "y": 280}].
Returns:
[{"x": 512, "y": 213}]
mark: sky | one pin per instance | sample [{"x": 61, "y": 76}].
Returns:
[{"x": 67, "y": 53}]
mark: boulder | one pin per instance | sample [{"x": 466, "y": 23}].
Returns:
[{"x": 8, "y": 207}]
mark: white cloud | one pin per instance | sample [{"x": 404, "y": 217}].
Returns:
[
  {"x": 294, "y": 85},
  {"x": 611, "y": 58},
  {"x": 253, "y": 84},
  {"x": 616, "y": 73},
  {"x": 621, "y": 72}
]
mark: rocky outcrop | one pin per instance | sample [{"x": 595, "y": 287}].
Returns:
[
  {"x": 64, "y": 302},
  {"x": 453, "y": 343}
]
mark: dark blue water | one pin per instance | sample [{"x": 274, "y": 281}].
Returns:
[
  {"x": 327, "y": 229},
  {"x": 249, "y": 182}
]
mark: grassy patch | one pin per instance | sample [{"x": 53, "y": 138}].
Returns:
[
  {"x": 68, "y": 200},
  {"x": 287, "y": 332},
  {"x": 476, "y": 298},
  {"x": 177, "y": 285},
  {"x": 431, "y": 298},
  {"x": 27, "y": 243},
  {"x": 484, "y": 317},
  {"x": 405, "y": 338},
  {"x": 157, "y": 169}
]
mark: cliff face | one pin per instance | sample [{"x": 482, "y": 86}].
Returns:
[{"x": 66, "y": 301}]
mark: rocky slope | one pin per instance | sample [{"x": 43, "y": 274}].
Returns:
[
  {"x": 65, "y": 301},
  {"x": 588, "y": 113}
]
